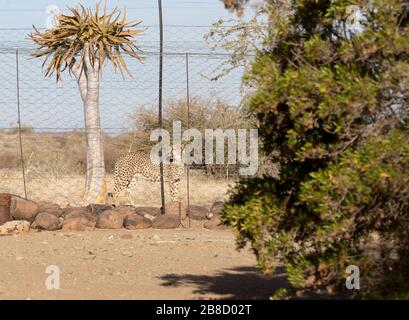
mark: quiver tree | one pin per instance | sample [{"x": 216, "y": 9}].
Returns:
[{"x": 81, "y": 43}]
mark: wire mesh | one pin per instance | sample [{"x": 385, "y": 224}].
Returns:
[{"x": 52, "y": 114}]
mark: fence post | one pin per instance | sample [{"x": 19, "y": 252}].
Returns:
[
  {"x": 188, "y": 127},
  {"x": 162, "y": 183},
  {"x": 19, "y": 123}
]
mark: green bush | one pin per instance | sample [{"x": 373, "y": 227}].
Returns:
[{"x": 332, "y": 105}]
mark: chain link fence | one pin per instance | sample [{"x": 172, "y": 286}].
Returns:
[{"x": 43, "y": 156}]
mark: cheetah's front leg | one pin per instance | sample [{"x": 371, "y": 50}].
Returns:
[
  {"x": 174, "y": 190},
  {"x": 129, "y": 190}
]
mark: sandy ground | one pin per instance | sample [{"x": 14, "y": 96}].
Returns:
[{"x": 118, "y": 264}]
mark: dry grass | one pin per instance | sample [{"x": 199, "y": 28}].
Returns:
[
  {"x": 55, "y": 165},
  {"x": 58, "y": 153},
  {"x": 203, "y": 191},
  {"x": 68, "y": 189}
]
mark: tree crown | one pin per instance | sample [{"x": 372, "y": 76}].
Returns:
[{"x": 86, "y": 36}]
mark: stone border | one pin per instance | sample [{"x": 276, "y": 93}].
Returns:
[{"x": 26, "y": 214}]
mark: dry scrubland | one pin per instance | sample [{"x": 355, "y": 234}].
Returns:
[
  {"x": 203, "y": 191},
  {"x": 55, "y": 170},
  {"x": 185, "y": 263},
  {"x": 145, "y": 264}
]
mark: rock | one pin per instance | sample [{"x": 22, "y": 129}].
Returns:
[
  {"x": 5, "y": 201},
  {"x": 197, "y": 212},
  {"x": 72, "y": 212},
  {"x": 47, "y": 221},
  {"x": 78, "y": 223},
  {"x": 110, "y": 219},
  {"x": 166, "y": 221},
  {"x": 152, "y": 211},
  {"x": 135, "y": 221},
  {"x": 216, "y": 209},
  {"x": 21, "y": 209},
  {"x": 215, "y": 223},
  {"x": 97, "y": 209},
  {"x": 149, "y": 217},
  {"x": 34, "y": 226},
  {"x": 15, "y": 227},
  {"x": 125, "y": 211},
  {"x": 62, "y": 202},
  {"x": 75, "y": 210},
  {"x": 51, "y": 208},
  {"x": 176, "y": 208},
  {"x": 47, "y": 206}
]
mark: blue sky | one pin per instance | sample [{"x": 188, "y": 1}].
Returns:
[
  {"x": 58, "y": 107},
  {"x": 24, "y": 13}
]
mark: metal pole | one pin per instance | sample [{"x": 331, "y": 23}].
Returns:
[
  {"x": 188, "y": 126},
  {"x": 19, "y": 124},
  {"x": 162, "y": 183}
]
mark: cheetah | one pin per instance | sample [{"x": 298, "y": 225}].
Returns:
[{"x": 135, "y": 165}]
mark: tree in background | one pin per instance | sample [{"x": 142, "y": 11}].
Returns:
[
  {"x": 332, "y": 102},
  {"x": 235, "y": 5},
  {"x": 81, "y": 43},
  {"x": 204, "y": 114},
  {"x": 241, "y": 38}
]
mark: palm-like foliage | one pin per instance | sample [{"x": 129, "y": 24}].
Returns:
[
  {"x": 85, "y": 34},
  {"x": 82, "y": 42}
]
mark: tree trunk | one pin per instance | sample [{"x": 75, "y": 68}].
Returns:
[{"x": 95, "y": 186}]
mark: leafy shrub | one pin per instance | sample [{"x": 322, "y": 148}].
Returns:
[{"x": 332, "y": 106}]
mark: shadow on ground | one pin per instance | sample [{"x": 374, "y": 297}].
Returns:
[{"x": 233, "y": 283}]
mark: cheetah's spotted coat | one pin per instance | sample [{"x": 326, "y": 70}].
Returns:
[{"x": 135, "y": 165}]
